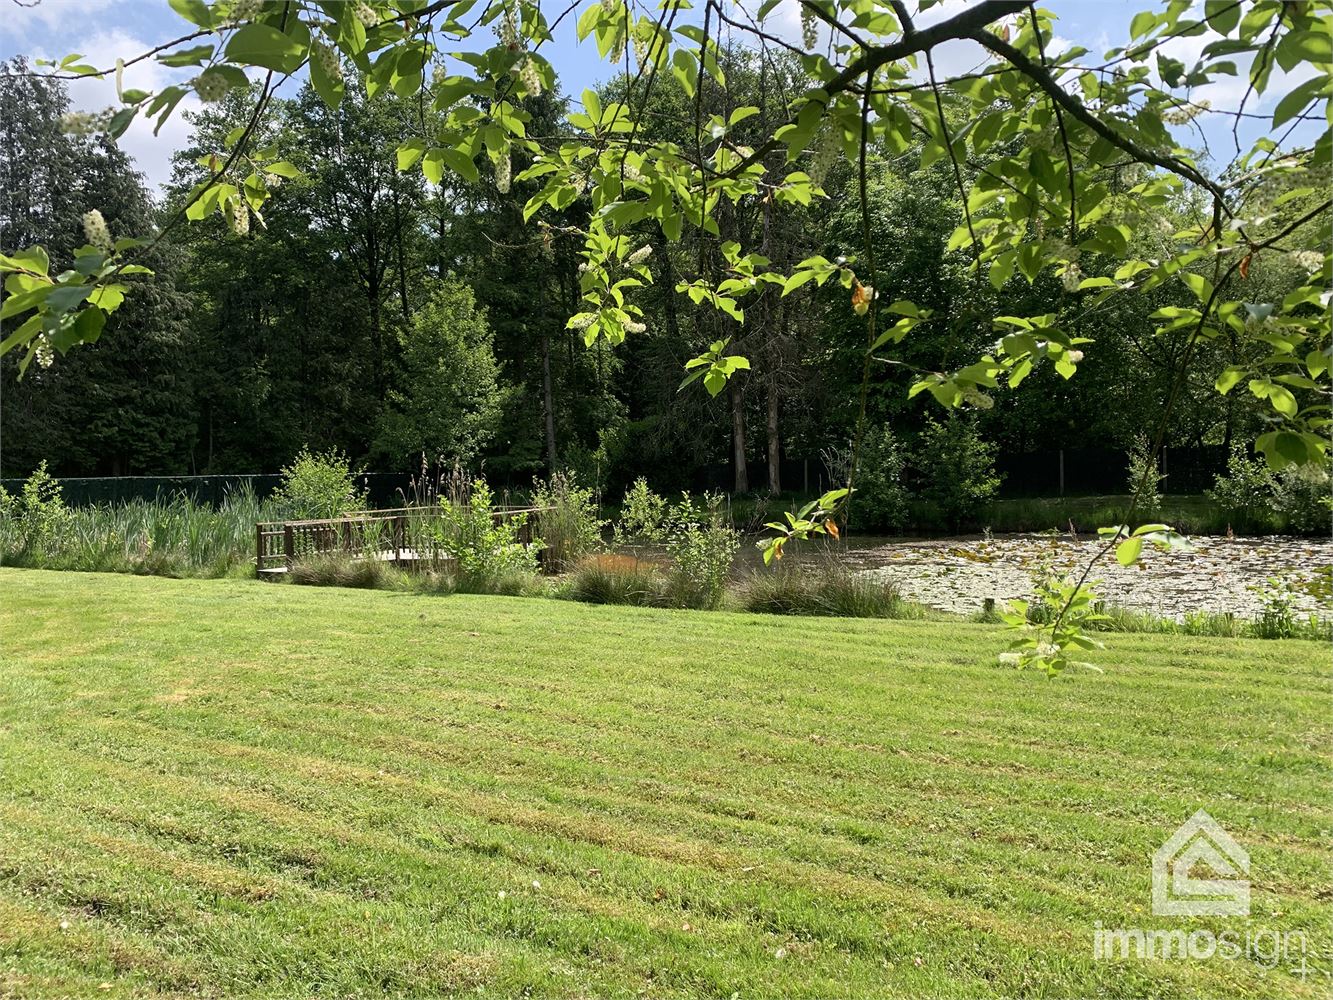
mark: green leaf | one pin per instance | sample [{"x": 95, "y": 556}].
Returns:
[
  {"x": 260, "y": 45},
  {"x": 1222, "y": 15},
  {"x": 1228, "y": 379},
  {"x": 1295, "y": 101},
  {"x": 195, "y": 56},
  {"x": 282, "y": 169},
  {"x": 194, "y": 11}
]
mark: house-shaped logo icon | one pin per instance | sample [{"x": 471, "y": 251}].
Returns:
[{"x": 1200, "y": 840}]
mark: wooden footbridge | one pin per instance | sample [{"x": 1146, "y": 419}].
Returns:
[{"x": 411, "y": 537}]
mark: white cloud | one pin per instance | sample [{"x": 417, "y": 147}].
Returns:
[{"x": 151, "y": 154}]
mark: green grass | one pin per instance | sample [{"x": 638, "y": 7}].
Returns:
[{"x": 233, "y": 789}]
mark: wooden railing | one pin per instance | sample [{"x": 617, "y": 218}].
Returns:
[{"x": 405, "y": 536}]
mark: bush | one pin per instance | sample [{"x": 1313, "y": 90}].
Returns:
[
  {"x": 829, "y": 590},
  {"x": 957, "y": 469},
  {"x": 1244, "y": 493},
  {"x": 702, "y": 547},
  {"x": 319, "y": 485},
  {"x": 1144, "y": 479},
  {"x": 617, "y": 579},
  {"x": 880, "y": 500},
  {"x": 643, "y": 516},
  {"x": 490, "y": 557},
  {"x": 40, "y": 519},
  {"x": 1301, "y": 497},
  {"x": 571, "y": 528}
]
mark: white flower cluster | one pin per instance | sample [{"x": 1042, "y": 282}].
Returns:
[
  {"x": 1183, "y": 114},
  {"x": 634, "y": 327},
  {"x": 84, "y": 122},
  {"x": 809, "y": 27},
  {"x": 239, "y": 217},
  {"x": 531, "y": 77},
  {"x": 96, "y": 232},
  {"x": 1311, "y": 260},
  {"x": 44, "y": 356},
  {"x": 583, "y": 322},
  {"x": 366, "y": 14},
  {"x": 1072, "y": 277},
  {"x": 610, "y": 6},
  {"x": 509, "y": 27},
  {"x": 826, "y": 155},
  {"x": 244, "y": 10},
  {"x": 328, "y": 59},
  {"x": 978, "y": 399},
  {"x": 1074, "y": 356},
  {"x": 579, "y": 182},
  {"x": 502, "y": 173},
  {"x": 1047, "y": 650},
  {"x": 211, "y": 87},
  {"x": 642, "y": 48},
  {"x": 640, "y": 255},
  {"x": 1011, "y": 659}
]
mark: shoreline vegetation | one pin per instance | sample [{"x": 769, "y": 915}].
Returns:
[{"x": 653, "y": 553}]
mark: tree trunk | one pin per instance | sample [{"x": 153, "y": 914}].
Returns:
[
  {"x": 774, "y": 448},
  {"x": 742, "y": 480},
  {"x": 548, "y": 403}
]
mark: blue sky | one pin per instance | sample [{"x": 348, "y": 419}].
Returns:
[{"x": 104, "y": 29}]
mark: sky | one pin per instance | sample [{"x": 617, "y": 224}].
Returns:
[{"x": 102, "y": 30}]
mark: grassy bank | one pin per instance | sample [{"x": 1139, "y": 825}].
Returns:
[{"x": 224, "y": 788}]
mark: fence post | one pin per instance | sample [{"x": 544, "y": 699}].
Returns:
[
  {"x": 1062, "y": 472},
  {"x": 288, "y": 545},
  {"x": 259, "y": 547},
  {"x": 399, "y": 523}
]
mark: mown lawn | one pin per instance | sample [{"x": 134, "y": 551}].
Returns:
[{"x": 235, "y": 789}]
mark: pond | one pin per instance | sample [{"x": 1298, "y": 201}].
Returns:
[{"x": 1218, "y": 574}]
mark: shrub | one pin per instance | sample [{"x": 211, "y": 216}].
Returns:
[
  {"x": 643, "y": 516},
  {"x": 1245, "y": 492},
  {"x": 956, "y": 466},
  {"x": 490, "y": 557},
  {"x": 702, "y": 547},
  {"x": 319, "y": 485},
  {"x": 571, "y": 528},
  {"x": 1144, "y": 479},
  {"x": 1301, "y": 497},
  {"x": 880, "y": 501},
  {"x": 617, "y": 579}
]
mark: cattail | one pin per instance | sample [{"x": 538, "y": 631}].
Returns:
[{"x": 96, "y": 231}]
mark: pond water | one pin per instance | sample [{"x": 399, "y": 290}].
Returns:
[{"x": 1217, "y": 574}]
